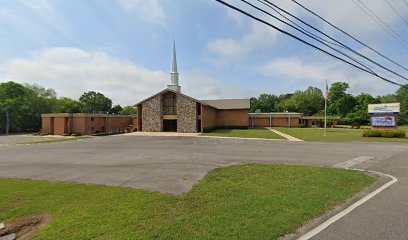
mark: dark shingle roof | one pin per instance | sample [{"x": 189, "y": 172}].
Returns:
[{"x": 228, "y": 103}]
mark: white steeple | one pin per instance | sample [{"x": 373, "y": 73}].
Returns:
[{"x": 174, "y": 85}]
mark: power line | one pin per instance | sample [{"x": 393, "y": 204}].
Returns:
[
  {"x": 305, "y": 42},
  {"x": 380, "y": 22},
  {"x": 337, "y": 43},
  {"x": 349, "y": 35},
  {"x": 318, "y": 39},
  {"x": 396, "y": 12}
]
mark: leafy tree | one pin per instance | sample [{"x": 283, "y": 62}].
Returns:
[
  {"x": 337, "y": 91},
  {"x": 115, "y": 109},
  {"x": 402, "y": 97},
  {"x": 95, "y": 102},
  {"x": 265, "y": 102},
  {"x": 308, "y": 102},
  {"x": 67, "y": 105},
  {"x": 128, "y": 110}
]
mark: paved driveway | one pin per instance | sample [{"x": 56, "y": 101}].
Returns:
[
  {"x": 175, "y": 164},
  {"x": 167, "y": 164},
  {"x": 16, "y": 138}
]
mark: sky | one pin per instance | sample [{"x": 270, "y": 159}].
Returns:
[{"x": 123, "y": 48}]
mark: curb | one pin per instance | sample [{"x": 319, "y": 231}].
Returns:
[{"x": 344, "y": 212}]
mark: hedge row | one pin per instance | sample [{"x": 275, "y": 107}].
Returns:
[{"x": 384, "y": 133}]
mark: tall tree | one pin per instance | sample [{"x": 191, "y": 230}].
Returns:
[
  {"x": 128, "y": 110},
  {"x": 95, "y": 102},
  {"x": 115, "y": 109},
  {"x": 67, "y": 105},
  {"x": 402, "y": 97},
  {"x": 308, "y": 102}
]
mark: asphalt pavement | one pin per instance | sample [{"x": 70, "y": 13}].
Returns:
[{"x": 174, "y": 164}]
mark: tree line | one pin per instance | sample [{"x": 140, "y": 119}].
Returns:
[
  {"x": 351, "y": 108},
  {"x": 21, "y": 106}
]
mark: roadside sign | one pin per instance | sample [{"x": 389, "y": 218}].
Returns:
[
  {"x": 384, "y": 109},
  {"x": 386, "y": 121}
]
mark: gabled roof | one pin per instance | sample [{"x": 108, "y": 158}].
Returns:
[
  {"x": 170, "y": 90},
  {"x": 229, "y": 103},
  {"x": 218, "y": 104}
]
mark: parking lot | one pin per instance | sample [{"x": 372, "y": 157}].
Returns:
[{"x": 168, "y": 164}]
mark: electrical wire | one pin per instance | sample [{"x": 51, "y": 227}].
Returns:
[
  {"x": 337, "y": 43},
  {"x": 380, "y": 22},
  {"x": 349, "y": 35},
  {"x": 396, "y": 12},
  {"x": 305, "y": 42}
]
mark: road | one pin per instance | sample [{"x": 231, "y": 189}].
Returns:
[{"x": 174, "y": 164}]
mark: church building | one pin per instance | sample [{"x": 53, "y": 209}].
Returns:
[{"x": 172, "y": 111}]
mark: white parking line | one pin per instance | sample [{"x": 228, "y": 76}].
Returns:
[{"x": 352, "y": 162}]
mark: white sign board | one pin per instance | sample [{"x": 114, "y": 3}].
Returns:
[
  {"x": 384, "y": 108},
  {"x": 388, "y": 121}
]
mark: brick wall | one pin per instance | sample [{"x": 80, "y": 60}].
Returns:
[
  {"x": 208, "y": 117},
  {"x": 233, "y": 117},
  {"x": 186, "y": 115},
  {"x": 152, "y": 115}
]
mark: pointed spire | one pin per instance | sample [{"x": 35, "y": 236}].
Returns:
[
  {"x": 174, "y": 63},
  {"x": 174, "y": 84}
]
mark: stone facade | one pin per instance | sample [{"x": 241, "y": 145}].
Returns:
[
  {"x": 186, "y": 115},
  {"x": 152, "y": 115}
]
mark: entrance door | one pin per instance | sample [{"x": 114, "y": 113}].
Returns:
[{"x": 170, "y": 125}]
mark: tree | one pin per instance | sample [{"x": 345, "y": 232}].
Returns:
[
  {"x": 67, "y": 105},
  {"x": 402, "y": 97},
  {"x": 95, "y": 102},
  {"x": 265, "y": 102},
  {"x": 115, "y": 109},
  {"x": 337, "y": 91},
  {"x": 128, "y": 110},
  {"x": 308, "y": 102}
]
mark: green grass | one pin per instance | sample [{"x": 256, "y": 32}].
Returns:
[
  {"x": 244, "y": 201},
  {"x": 244, "y": 133},
  {"x": 53, "y": 140},
  {"x": 335, "y": 135}
]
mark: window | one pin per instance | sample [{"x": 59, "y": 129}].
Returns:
[
  {"x": 92, "y": 119},
  {"x": 169, "y": 102}
]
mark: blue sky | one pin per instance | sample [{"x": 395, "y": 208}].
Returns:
[{"x": 122, "y": 48}]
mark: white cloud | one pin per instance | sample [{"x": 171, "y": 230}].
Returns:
[
  {"x": 344, "y": 14},
  {"x": 301, "y": 72},
  {"x": 72, "y": 71},
  {"x": 201, "y": 85},
  {"x": 150, "y": 11}
]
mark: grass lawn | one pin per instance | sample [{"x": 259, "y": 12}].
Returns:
[
  {"x": 244, "y": 133},
  {"x": 335, "y": 135},
  {"x": 53, "y": 140},
  {"x": 250, "y": 201}
]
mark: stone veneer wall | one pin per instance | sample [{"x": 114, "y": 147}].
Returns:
[
  {"x": 152, "y": 115},
  {"x": 186, "y": 115}
]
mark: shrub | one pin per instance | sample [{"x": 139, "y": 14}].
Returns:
[
  {"x": 75, "y": 134},
  {"x": 301, "y": 125},
  {"x": 384, "y": 133},
  {"x": 372, "y": 133},
  {"x": 209, "y": 129}
]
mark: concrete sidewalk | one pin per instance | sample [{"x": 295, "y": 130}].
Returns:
[
  {"x": 161, "y": 134},
  {"x": 290, "y": 138}
]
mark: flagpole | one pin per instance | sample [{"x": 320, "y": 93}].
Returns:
[
  {"x": 325, "y": 116},
  {"x": 325, "y": 109}
]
